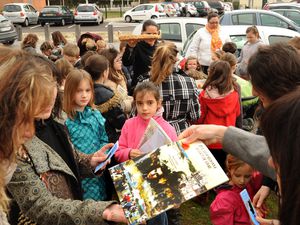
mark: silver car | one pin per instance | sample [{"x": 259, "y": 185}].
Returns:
[
  {"x": 88, "y": 13},
  {"x": 21, "y": 13},
  {"x": 8, "y": 32}
]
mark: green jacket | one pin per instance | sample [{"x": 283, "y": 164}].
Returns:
[{"x": 40, "y": 187}]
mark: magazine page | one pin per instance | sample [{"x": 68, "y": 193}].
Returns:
[
  {"x": 164, "y": 178},
  {"x": 153, "y": 138}
]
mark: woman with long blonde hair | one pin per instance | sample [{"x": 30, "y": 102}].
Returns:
[
  {"x": 179, "y": 96},
  {"x": 25, "y": 90}
]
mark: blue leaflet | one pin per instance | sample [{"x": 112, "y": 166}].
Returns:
[
  {"x": 110, "y": 153},
  {"x": 250, "y": 208}
]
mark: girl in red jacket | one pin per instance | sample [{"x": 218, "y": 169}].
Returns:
[
  {"x": 219, "y": 102},
  {"x": 228, "y": 207}
]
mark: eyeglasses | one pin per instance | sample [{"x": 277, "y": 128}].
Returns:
[{"x": 213, "y": 22}]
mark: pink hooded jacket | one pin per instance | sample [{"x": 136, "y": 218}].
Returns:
[
  {"x": 228, "y": 207},
  {"x": 133, "y": 131}
]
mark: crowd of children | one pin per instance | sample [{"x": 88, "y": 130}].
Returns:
[{"x": 110, "y": 95}]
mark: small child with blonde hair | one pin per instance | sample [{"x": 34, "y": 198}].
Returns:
[
  {"x": 193, "y": 69},
  {"x": 71, "y": 53},
  {"x": 228, "y": 205}
]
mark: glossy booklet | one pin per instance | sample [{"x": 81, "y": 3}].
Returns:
[{"x": 163, "y": 178}]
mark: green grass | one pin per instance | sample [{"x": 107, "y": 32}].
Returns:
[
  {"x": 113, "y": 14},
  {"x": 193, "y": 213}
]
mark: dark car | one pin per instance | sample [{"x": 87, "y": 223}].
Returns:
[
  {"x": 218, "y": 5},
  {"x": 8, "y": 32},
  {"x": 56, "y": 14},
  {"x": 203, "y": 8}
]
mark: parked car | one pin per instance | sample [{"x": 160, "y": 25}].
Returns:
[
  {"x": 258, "y": 17},
  {"x": 169, "y": 9},
  {"x": 176, "y": 5},
  {"x": 216, "y": 5},
  {"x": 88, "y": 13},
  {"x": 144, "y": 12},
  {"x": 56, "y": 14},
  {"x": 190, "y": 10},
  {"x": 176, "y": 29},
  {"x": 203, "y": 8},
  {"x": 287, "y": 5},
  {"x": 8, "y": 32},
  {"x": 292, "y": 14},
  {"x": 21, "y": 13},
  {"x": 268, "y": 35},
  {"x": 227, "y": 6}
]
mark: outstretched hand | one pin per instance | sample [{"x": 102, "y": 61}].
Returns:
[
  {"x": 100, "y": 155},
  {"x": 208, "y": 134}
]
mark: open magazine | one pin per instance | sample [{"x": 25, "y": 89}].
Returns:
[
  {"x": 163, "y": 178},
  {"x": 154, "y": 137}
]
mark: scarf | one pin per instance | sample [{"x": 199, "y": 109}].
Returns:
[{"x": 216, "y": 42}]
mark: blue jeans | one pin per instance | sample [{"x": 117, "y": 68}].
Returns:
[{"x": 161, "y": 219}]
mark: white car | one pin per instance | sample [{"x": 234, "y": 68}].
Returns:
[
  {"x": 237, "y": 33},
  {"x": 191, "y": 10},
  {"x": 88, "y": 13},
  {"x": 176, "y": 29},
  {"x": 144, "y": 12},
  {"x": 21, "y": 13}
]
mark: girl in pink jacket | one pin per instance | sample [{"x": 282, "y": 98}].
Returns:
[
  {"x": 228, "y": 207},
  {"x": 148, "y": 104}
]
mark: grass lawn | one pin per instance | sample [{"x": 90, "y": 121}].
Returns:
[
  {"x": 194, "y": 214},
  {"x": 113, "y": 14}
]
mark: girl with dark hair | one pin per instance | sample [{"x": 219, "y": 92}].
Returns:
[
  {"x": 219, "y": 102},
  {"x": 29, "y": 43},
  {"x": 147, "y": 100},
  {"x": 139, "y": 54},
  {"x": 116, "y": 78},
  {"x": 107, "y": 101}
]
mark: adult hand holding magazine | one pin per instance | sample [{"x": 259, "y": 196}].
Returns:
[{"x": 164, "y": 178}]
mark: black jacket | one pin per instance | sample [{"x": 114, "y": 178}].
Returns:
[
  {"x": 108, "y": 103},
  {"x": 140, "y": 58}
]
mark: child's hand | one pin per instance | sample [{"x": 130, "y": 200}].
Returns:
[
  {"x": 135, "y": 153},
  {"x": 100, "y": 155},
  {"x": 267, "y": 221}
]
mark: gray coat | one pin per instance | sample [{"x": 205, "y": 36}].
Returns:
[{"x": 251, "y": 148}]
